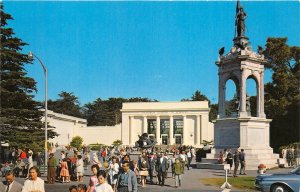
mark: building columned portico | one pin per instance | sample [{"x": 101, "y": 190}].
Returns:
[{"x": 182, "y": 123}]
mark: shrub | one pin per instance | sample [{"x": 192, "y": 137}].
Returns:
[
  {"x": 117, "y": 142},
  {"x": 77, "y": 142},
  {"x": 95, "y": 147}
]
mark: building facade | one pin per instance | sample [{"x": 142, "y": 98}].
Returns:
[
  {"x": 182, "y": 123},
  {"x": 65, "y": 126}
]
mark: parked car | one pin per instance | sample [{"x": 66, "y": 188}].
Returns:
[{"x": 289, "y": 182}]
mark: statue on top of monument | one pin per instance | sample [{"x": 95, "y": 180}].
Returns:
[{"x": 240, "y": 20}]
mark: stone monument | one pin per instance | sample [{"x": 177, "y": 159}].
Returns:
[{"x": 242, "y": 131}]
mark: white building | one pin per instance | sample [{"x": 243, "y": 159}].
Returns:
[
  {"x": 65, "y": 126},
  {"x": 169, "y": 123}
]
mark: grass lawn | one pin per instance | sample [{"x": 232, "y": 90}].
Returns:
[{"x": 235, "y": 182}]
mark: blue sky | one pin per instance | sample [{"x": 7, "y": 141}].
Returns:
[{"x": 161, "y": 50}]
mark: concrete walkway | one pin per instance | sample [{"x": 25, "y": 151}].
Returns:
[{"x": 190, "y": 181}]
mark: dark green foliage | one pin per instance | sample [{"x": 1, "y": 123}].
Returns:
[
  {"x": 107, "y": 112},
  {"x": 67, "y": 104},
  {"x": 20, "y": 115},
  {"x": 213, "y": 113},
  {"x": 77, "y": 142},
  {"x": 282, "y": 94},
  {"x": 117, "y": 142},
  {"x": 253, "y": 106},
  {"x": 231, "y": 107},
  {"x": 198, "y": 96}
]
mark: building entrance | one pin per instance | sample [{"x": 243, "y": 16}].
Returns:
[
  {"x": 164, "y": 139},
  {"x": 178, "y": 139}
]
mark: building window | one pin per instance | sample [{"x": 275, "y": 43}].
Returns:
[
  {"x": 151, "y": 126},
  {"x": 178, "y": 139},
  {"x": 178, "y": 126},
  {"x": 164, "y": 126}
]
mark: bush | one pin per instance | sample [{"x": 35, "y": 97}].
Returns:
[
  {"x": 117, "y": 142},
  {"x": 77, "y": 142},
  {"x": 95, "y": 147}
]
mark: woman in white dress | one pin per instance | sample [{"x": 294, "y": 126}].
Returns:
[
  {"x": 34, "y": 183},
  {"x": 30, "y": 161},
  {"x": 79, "y": 168},
  {"x": 103, "y": 186},
  {"x": 113, "y": 171}
]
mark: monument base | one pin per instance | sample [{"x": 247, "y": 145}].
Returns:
[{"x": 248, "y": 133}]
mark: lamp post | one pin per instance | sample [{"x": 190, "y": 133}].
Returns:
[{"x": 31, "y": 55}]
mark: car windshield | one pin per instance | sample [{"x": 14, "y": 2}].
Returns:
[{"x": 296, "y": 170}]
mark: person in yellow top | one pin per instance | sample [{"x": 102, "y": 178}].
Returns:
[{"x": 178, "y": 171}]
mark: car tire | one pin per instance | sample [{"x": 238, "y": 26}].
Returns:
[{"x": 279, "y": 188}]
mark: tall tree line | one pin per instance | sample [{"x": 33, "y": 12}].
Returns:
[
  {"x": 100, "y": 112},
  {"x": 20, "y": 115}
]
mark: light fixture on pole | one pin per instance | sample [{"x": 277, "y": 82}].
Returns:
[{"x": 31, "y": 56}]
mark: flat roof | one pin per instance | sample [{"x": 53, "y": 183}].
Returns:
[{"x": 175, "y": 106}]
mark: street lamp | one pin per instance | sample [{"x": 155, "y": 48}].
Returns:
[{"x": 31, "y": 55}]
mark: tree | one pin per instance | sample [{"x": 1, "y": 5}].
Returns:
[
  {"x": 197, "y": 96},
  {"x": 67, "y": 104},
  {"x": 213, "y": 113},
  {"x": 20, "y": 116},
  {"x": 282, "y": 94},
  {"x": 77, "y": 142},
  {"x": 108, "y": 112}
]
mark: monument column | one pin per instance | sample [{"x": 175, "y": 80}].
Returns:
[
  {"x": 171, "y": 130},
  {"x": 262, "y": 96},
  {"x": 145, "y": 124},
  {"x": 130, "y": 128},
  {"x": 158, "y": 139},
  {"x": 198, "y": 130},
  {"x": 222, "y": 91},
  {"x": 184, "y": 129},
  {"x": 243, "y": 98}
]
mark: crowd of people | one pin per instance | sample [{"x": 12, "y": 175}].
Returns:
[
  {"x": 113, "y": 169},
  {"x": 291, "y": 155},
  {"x": 236, "y": 160}
]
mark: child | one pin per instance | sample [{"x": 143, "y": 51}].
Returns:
[
  {"x": 178, "y": 170},
  {"x": 93, "y": 179},
  {"x": 103, "y": 186},
  {"x": 64, "y": 172},
  {"x": 73, "y": 188}
]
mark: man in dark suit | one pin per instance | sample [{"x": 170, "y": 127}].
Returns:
[
  {"x": 161, "y": 168},
  {"x": 152, "y": 161},
  {"x": 10, "y": 185}
]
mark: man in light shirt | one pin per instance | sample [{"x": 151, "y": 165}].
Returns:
[
  {"x": 10, "y": 185},
  {"x": 183, "y": 159},
  {"x": 189, "y": 158}
]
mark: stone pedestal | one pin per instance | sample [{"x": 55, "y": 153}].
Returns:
[{"x": 248, "y": 133}]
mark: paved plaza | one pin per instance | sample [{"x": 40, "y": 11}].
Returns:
[{"x": 190, "y": 181}]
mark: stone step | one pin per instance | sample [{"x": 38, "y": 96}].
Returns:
[
  {"x": 206, "y": 160},
  {"x": 221, "y": 166},
  {"x": 209, "y": 166}
]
